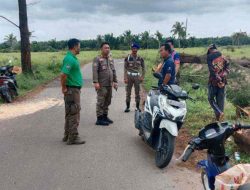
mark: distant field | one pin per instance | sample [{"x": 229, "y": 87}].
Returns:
[
  {"x": 46, "y": 65},
  {"x": 232, "y": 52}
]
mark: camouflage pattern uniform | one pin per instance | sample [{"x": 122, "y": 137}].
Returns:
[
  {"x": 104, "y": 73},
  {"x": 72, "y": 111},
  {"x": 134, "y": 69}
]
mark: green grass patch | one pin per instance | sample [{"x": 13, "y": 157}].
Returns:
[{"x": 45, "y": 65}]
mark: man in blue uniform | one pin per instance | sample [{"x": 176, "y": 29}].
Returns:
[{"x": 168, "y": 67}]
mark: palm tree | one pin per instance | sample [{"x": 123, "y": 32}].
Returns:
[
  {"x": 145, "y": 36},
  {"x": 179, "y": 31},
  {"x": 99, "y": 40},
  {"x": 10, "y": 40},
  {"x": 237, "y": 36},
  {"x": 159, "y": 37},
  {"x": 128, "y": 37}
]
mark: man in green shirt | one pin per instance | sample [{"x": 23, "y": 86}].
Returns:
[{"x": 71, "y": 81}]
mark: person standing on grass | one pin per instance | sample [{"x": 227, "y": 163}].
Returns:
[
  {"x": 219, "y": 69},
  {"x": 104, "y": 78},
  {"x": 176, "y": 58},
  {"x": 168, "y": 67},
  {"x": 71, "y": 82}
]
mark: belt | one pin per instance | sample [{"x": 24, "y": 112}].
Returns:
[
  {"x": 133, "y": 74},
  {"x": 77, "y": 87}
]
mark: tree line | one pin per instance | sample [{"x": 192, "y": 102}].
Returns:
[{"x": 123, "y": 42}]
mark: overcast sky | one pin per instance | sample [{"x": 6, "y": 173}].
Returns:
[{"x": 85, "y": 19}]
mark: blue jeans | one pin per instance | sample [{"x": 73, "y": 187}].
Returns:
[{"x": 216, "y": 98}]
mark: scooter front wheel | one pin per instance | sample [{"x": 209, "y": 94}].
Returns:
[
  {"x": 204, "y": 179},
  {"x": 164, "y": 154}
]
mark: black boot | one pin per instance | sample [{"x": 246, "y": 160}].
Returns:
[
  {"x": 75, "y": 139},
  {"x": 101, "y": 121},
  {"x": 65, "y": 138},
  {"x": 138, "y": 106},
  {"x": 105, "y": 117},
  {"x": 128, "y": 106}
]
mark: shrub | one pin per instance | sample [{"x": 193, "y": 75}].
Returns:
[{"x": 241, "y": 97}]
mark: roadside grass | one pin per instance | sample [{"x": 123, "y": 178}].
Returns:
[{"x": 46, "y": 66}]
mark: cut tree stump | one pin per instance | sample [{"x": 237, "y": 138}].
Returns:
[
  {"x": 242, "y": 139},
  {"x": 242, "y": 112}
]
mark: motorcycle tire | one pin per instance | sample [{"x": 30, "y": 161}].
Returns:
[
  {"x": 164, "y": 155},
  {"x": 7, "y": 97},
  {"x": 204, "y": 180}
]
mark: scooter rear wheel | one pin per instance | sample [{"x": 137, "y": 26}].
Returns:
[
  {"x": 7, "y": 97},
  {"x": 164, "y": 155},
  {"x": 204, "y": 180}
]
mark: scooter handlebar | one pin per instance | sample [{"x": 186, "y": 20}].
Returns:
[
  {"x": 239, "y": 127},
  {"x": 187, "y": 153},
  {"x": 245, "y": 126}
]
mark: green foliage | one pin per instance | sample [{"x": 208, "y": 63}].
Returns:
[
  {"x": 54, "y": 65},
  {"x": 242, "y": 96},
  {"x": 122, "y": 42}
]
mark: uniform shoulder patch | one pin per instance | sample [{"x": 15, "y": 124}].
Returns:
[{"x": 68, "y": 67}]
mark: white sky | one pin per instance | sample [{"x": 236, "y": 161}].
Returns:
[{"x": 85, "y": 19}]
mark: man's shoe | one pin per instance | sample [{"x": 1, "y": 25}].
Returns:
[
  {"x": 128, "y": 106},
  {"x": 221, "y": 117},
  {"x": 65, "y": 138},
  {"x": 106, "y": 118},
  {"x": 138, "y": 106},
  {"x": 101, "y": 121},
  {"x": 127, "y": 110},
  {"x": 75, "y": 141}
]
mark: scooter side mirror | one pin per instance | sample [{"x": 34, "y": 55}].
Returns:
[
  {"x": 157, "y": 75},
  {"x": 195, "y": 86}
]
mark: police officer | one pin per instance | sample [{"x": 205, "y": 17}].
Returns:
[
  {"x": 104, "y": 78},
  {"x": 134, "y": 72},
  {"x": 71, "y": 81}
]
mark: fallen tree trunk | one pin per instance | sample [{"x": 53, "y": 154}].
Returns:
[
  {"x": 186, "y": 58},
  {"x": 243, "y": 62}
]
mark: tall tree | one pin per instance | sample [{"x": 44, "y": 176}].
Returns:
[
  {"x": 10, "y": 40},
  {"x": 128, "y": 37},
  {"x": 99, "y": 40},
  {"x": 237, "y": 37},
  {"x": 25, "y": 35},
  {"x": 159, "y": 37},
  {"x": 179, "y": 31},
  {"x": 145, "y": 36}
]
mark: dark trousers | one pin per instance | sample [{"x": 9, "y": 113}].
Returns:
[
  {"x": 104, "y": 96},
  {"x": 72, "y": 111},
  {"x": 216, "y": 98}
]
